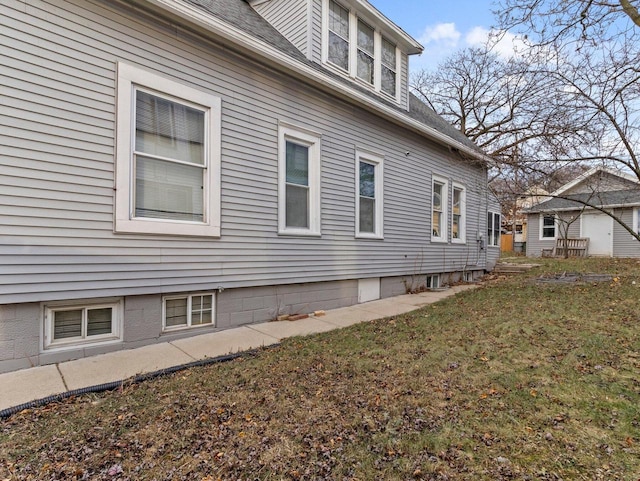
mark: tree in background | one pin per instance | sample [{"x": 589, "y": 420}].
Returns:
[{"x": 570, "y": 99}]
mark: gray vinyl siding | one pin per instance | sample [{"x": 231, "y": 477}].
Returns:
[
  {"x": 316, "y": 30},
  {"x": 404, "y": 80},
  {"x": 290, "y": 18},
  {"x": 57, "y": 169},
  {"x": 535, "y": 244},
  {"x": 624, "y": 244}
]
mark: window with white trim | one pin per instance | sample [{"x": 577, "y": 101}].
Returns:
[
  {"x": 68, "y": 325},
  {"x": 493, "y": 229},
  {"x": 168, "y": 157},
  {"x": 439, "y": 189},
  {"x": 191, "y": 310},
  {"x": 359, "y": 49},
  {"x": 369, "y": 202},
  {"x": 458, "y": 215},
  {"x": 548, "y": 225},
  {"x": 636, "y": 220},
  {"x": 299, "y": 181},
  {"x": 433, "y": 281}
]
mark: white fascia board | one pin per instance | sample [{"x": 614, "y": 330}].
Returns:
[{"x": 249, "y": 43}]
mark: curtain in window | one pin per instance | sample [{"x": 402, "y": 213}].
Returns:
[{"x": 169, "y": 159}]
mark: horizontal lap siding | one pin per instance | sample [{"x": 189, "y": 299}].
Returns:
[
  {"x": 624, "y": 244},
  {"x": 56, "y": 187},
  {"x": 289, "y": 17}
]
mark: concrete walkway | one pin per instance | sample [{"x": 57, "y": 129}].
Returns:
[{"x": 27, "y": 385}]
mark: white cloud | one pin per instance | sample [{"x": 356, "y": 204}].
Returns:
[{"x": 441, "y": 33}]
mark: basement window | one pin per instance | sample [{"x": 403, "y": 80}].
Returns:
[
  {"x": 78, "y": 324},
  {"x": 190, "y": 310}
]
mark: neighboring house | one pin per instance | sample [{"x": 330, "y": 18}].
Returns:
[
  {"x": 514, "y": 222},
  {"x": 563, "y": 216},
  {"x": 175, "y": 167}
]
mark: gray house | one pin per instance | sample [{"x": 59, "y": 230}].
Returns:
[
  {"x": 568, "y": 215},
  {"x": 175, "y": 167}
]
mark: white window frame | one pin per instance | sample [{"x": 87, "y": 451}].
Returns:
[
  {"x": 555, "y": 226},
  {"x": 130, "y": 78},
  {"x": 377, "y": 161},
  {"x": 353, "y": 52},
  {"x": 462, "y": 228},
  {"x": 445, "y": 208},
  {"x": 494, "y": 241},
  {"x": 432, "y": 281},
  {"x": 299, "y": 135},
  {"x": 636, "y": 220},
  {"x": 189, "y": 298},
  {"x": 50, "y": 308}
]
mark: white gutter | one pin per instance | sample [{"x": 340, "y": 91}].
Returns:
[{"x": 247, "y": 42}]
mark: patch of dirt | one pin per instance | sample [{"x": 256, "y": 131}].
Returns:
[{"x": 571, "y": 277}]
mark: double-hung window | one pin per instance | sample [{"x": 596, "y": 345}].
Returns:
[
  {"x": 338, "y": 36},
  {"x": 369, "y": 202},
  {"x": 493, "y": 229},
  {"x": 547, "y": 226},
  {"x": 439, "y": 188},
  {"x": 365, "y": 65},
  {"x": 458, "y": 215},
  {"x": 388, "y": 68},
  {"x": 299, "y": 181},
  {"x": 168, "y": 157},
  {"x": 73, "y": 324},
  {"x": 356, "y": 47}
]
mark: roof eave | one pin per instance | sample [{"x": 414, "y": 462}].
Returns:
[{"x": 249, "y": 43}]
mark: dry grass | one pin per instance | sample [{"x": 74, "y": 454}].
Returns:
[{"x": 516, "y": 380}]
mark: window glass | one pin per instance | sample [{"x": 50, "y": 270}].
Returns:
[
  {"x": 549, "y": 226},
  {"x": 201, "y": 309},
  {"x": 297, "y": 185},
  {"x": 176, "y": 312},
  {"x": 67, "y": 324},
  {"x": 457, "y": 213},
  {"x": 169, "y": 159},
  {"x": 365, "y": 52},
  {"x": 338, "y": 36},
  {"x": 436, "y": 219},
  {"x": 388, "y": 67},
  {"x": 99, "y": 321},
  {"x": 367, "y": 197}
]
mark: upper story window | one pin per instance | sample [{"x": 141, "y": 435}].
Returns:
[
  {"x": 168, "y": 157},
  {"x": 357, "y": 48},
  {"x": 338, "y": 36},
  {"x": 365, "y": 52},
  {"x": 388, "y": 70}
]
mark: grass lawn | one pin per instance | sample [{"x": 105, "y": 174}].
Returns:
[{"x": 515, "y": 380}]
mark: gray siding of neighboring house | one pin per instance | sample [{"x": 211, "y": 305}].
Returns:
[
  {"x": 57, "y": 201},
  {"x": 290, "y": 18},
  {"x": 535, "y": 244},
  {"x": 624, "y": 244}
]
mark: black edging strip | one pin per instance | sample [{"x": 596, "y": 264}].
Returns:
[{"x": 110, "y": 386}]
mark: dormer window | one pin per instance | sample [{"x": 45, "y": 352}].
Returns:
[
  {"x": 356, "y": 46},
  {"x": 365, "y": 52},
  {"x": 388, "y": 71},
  {"x": 338, "y": 36}
]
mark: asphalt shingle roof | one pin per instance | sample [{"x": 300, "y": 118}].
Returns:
[
  {"x": 241, "y": 15},
  {"x": 599, "y": 199}
]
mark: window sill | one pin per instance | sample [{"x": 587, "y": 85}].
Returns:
[
  {"x": 299, "y": 233},
  {"x": 81, "y": 344},
  {"x": 369, "y": 236},
  {"x": 439, "y": 240},
  {"x": 171, "y": 330},
  {"x": 459, "y": 241},
  {"x": 165, "y": 228}
]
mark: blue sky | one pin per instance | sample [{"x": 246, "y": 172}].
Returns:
[{"x": 441, "y": 26}]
